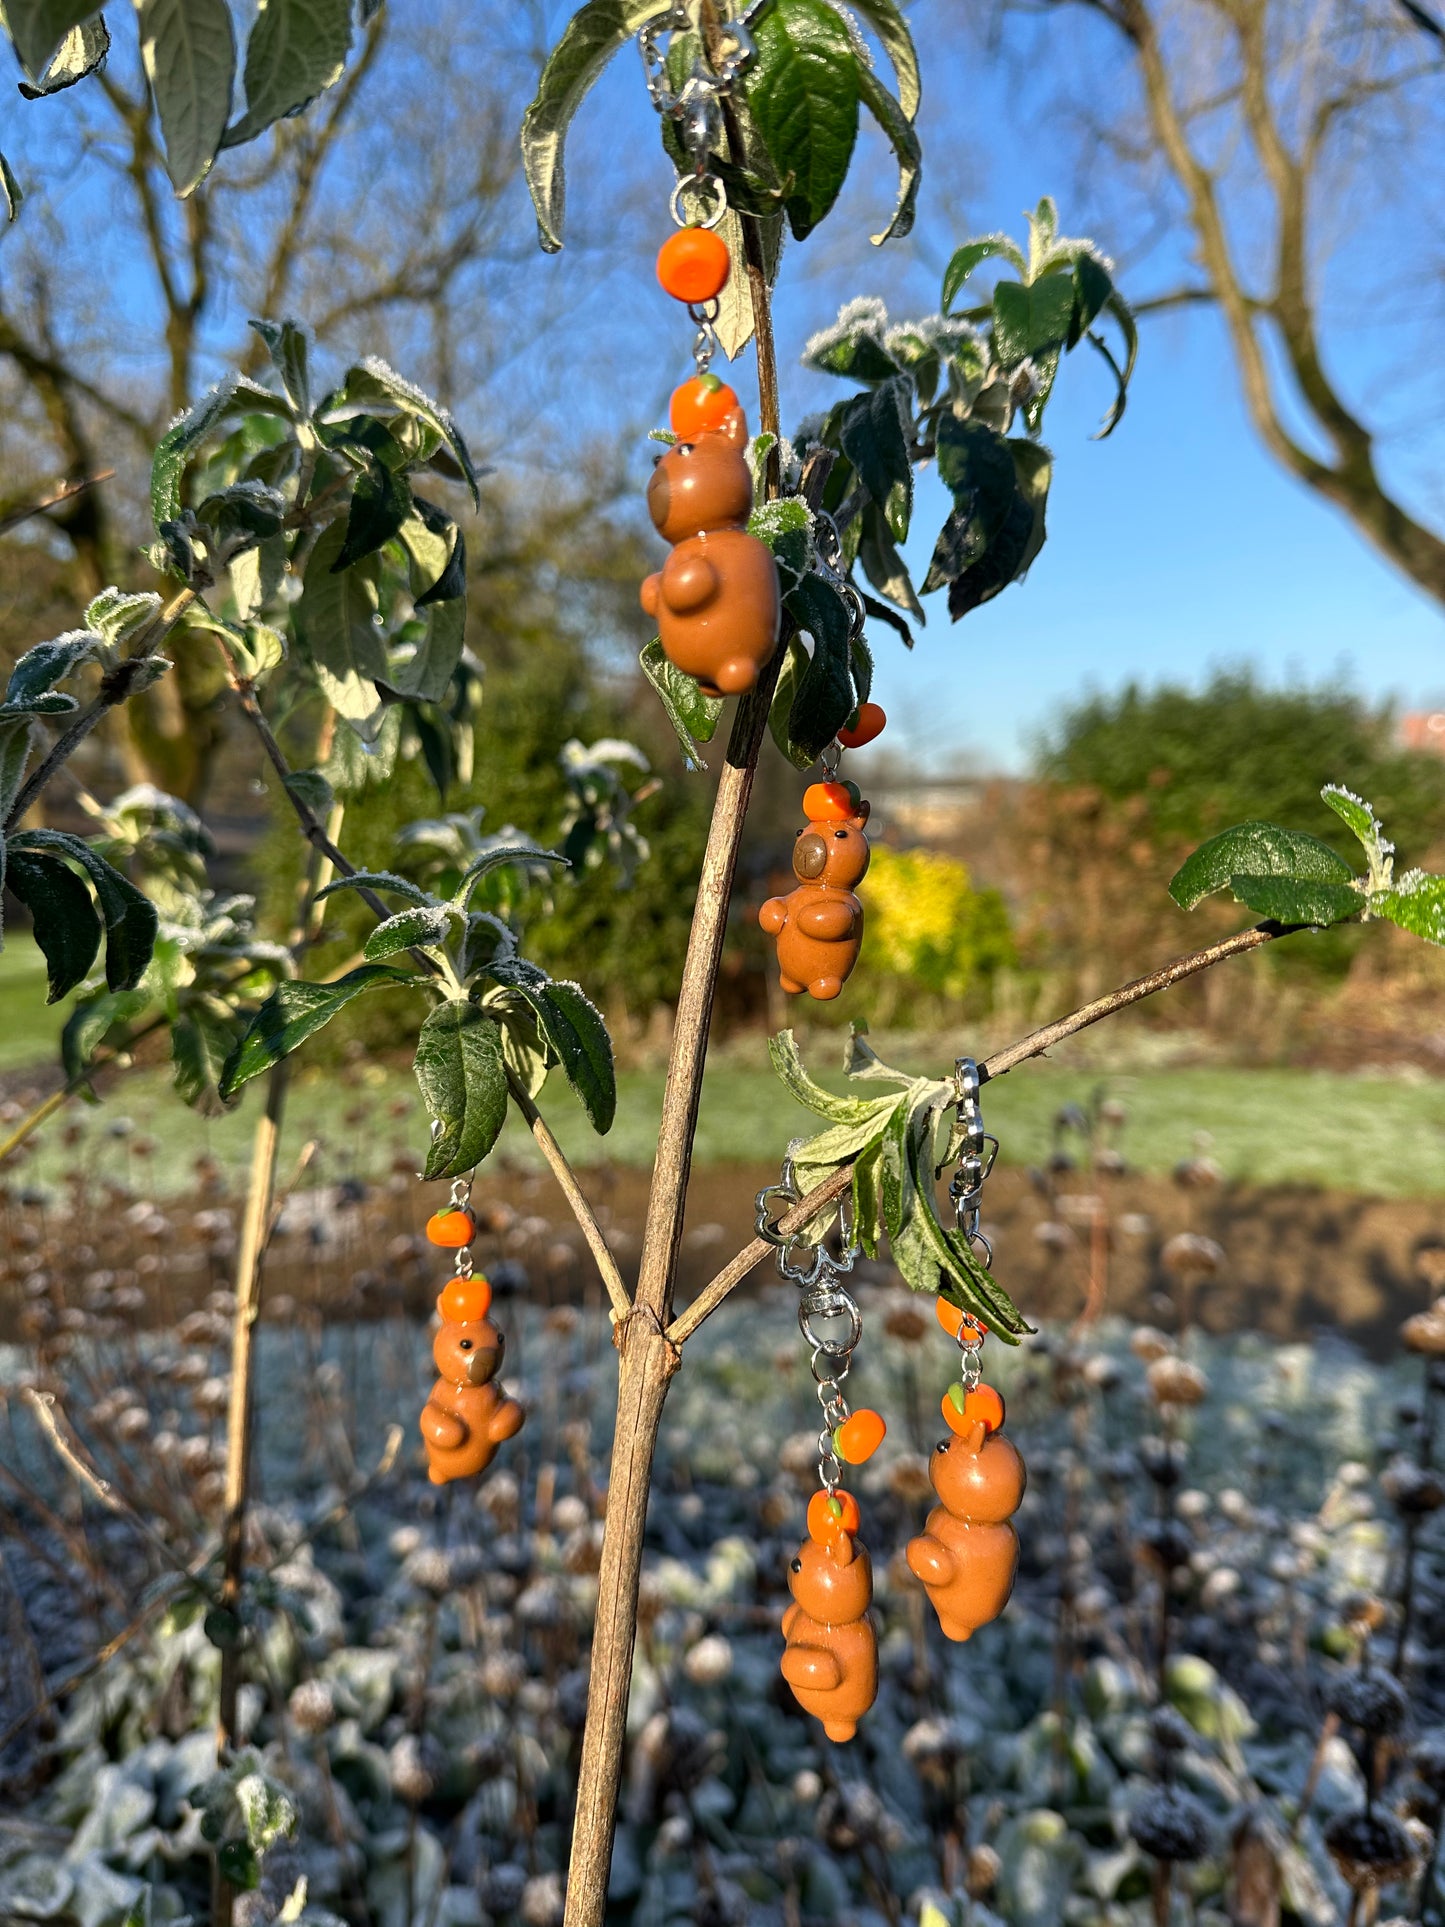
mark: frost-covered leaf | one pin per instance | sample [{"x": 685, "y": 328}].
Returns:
[
  {"x": 296, "y": 50},
  {"x": 189, "y": 51},
  {"x": 1255, "y": 850}
]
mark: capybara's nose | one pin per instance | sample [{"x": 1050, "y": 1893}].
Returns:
[
  {"x": 659, "y": 496},
  {"x": 482, "y": 1364}
]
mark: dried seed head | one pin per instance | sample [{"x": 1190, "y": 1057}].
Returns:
[
  {"x": 710, "y": 1661},
  {"x": 1169, "y": 1730},
  {"x": 1411, "y": 1489},
  {"x": 1369, "y": 1849},
  {"x": 1166, "y": 1543},
  {"x": 1430, "y": 1266},
  {"x": 312, "y": 1707},
  {"x": 908, "y": 1478},
  {"x": 543, "y": 1901},
  {"x": 429, "y": 1570},
  {"x": 981, "y": 1871},
  {"x": 1148, "y": 1344},
  {"x": 414, "y": 1766},
  {"x": 1190, "y": 1255},
  {"x": 1171, "y": 1825},
  {"x": 1375, "y": 1702},
  {"x": 906, "y": 1323},
  {"x": 1174, "y": 1381},
  {"x": 1425, "y": 1332}
]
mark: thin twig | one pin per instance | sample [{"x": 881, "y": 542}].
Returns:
[
  {"x": 733, "y": 1273},
  {"x": 12, "y": 518},
  {"x": 116, "y": 686},
  {"x": 45, "y": 1408},
  {"x": 581, "y": 1210},
  {"x": 1034, "y": 1045}
]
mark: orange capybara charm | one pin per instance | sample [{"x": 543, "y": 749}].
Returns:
[
  {"x": 819, "y": 926},
  {"x": 968, "y": 1551},
  {"x": 715, "y": 599},
  {"x": 831, "y": 1658},
  {"x": 466, "y": 1418}
]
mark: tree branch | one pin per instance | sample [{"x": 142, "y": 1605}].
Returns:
[
  {"x": 13, "y": 518},
  {"x": 572, "y": 1191},
  {"x": 114, "y": 689},
  {"x": 1034, "y": 1045}
]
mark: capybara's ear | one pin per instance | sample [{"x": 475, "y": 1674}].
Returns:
[
  {"x": 841, "y": 1549},
  {"x": 735, "y": 427},
  {"x": 974, "y": 1435},
  {"x": 442, "y": 1308},
  {"x": 861, "y": 814}
]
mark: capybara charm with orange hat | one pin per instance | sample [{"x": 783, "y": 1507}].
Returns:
[
  {"x": 467, "y": 1416},
  {"x": 819, "y": 925},
  {"x": 715, "y": 600},
  {"x": 831, "y": 1658}
]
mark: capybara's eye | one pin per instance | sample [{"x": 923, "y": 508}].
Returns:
[
  {"x": 682, "y": 448},
  {"x": 655, "y": 460},
  {"x": 464, "y": 1345},
  {"x": 840, "y": 834},
  {"x": 797, "y": 1565}
]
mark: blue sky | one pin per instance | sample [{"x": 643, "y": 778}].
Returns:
[{"x": 1175, "y": 548}]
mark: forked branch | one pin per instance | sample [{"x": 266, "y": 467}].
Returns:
[{"x": 1034, "y": 1045}]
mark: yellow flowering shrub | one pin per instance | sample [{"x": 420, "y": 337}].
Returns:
[{"x": 927, "y": 925}]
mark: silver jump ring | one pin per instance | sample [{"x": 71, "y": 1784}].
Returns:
[
  {"x": 700, "y": 182},
  {"x": 830, "y": 1304}
]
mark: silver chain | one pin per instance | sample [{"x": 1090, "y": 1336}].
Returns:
[
  {"x": 696, "y": 106},
  {"x": 461, "y": 1194},
  {"x": 976, "y": 1159},
  {"x": 823, "y": 1297}
]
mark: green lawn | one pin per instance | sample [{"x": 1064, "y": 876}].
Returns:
[
  {"x": 29, "y": 1027},
  {"x": 1370, "y": 1133}
]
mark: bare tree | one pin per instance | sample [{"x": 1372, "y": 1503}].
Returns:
[{"x": 1287, "y": 138}]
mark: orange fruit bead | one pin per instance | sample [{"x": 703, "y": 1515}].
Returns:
[
  {"x": 982, "y": 1406},
  {"x": 951, "y": 1316},
  {"x": 859, "y": 1437},
  {"x": 465, "y": 1300},
  {"x": 830, "y": 802},
  {"x": 827, "y": 1517},
  {"x": 700, "y": 405},
  {"x": 867, "y": 724},
  {"x": 451, "y": 1228},
  {"x": 693, "y": 264}
]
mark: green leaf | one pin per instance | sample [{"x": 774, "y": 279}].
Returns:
[
  {"x": 886, "y": 19},
  {"x": 863, "y": 1061},
  {"x": 824, "y": 699},
  {"x": 844, "y": 1141},
  {"x": 296, "y": 50},
  {"x": 130, "y": 918},
  {"x": 418, "y": 928},
  {"x": 66, "y": 926},
  {"x": 802, "y": 90},
  {"x": 428, "y": 675},
  {"x": 380, "y": 503},
  {"x": 236, "y": 395},
  {"x": 90, "y": 1021},
  {"x": 80, "y": 53},
  {"x": 573, "y": 1026},
  {"x": 189, "y": 53},
  {"x": 1417, "y": 904},
  {"x": 785, "y": 690},
  {"x": 1255, "y": 850},
  {"x": 15, "y": 740},
  {"x": 984, "y": 541},
  {"x": 10, "y": 190},
  {"x": 202, "y": 1038},
  {"x": 978, "y": 1290},
  {"x": 787, "y": 528},
  {"x": 118, "y": 618},
  {"x": 373, "y": 381},
  {"x": 1029, "y": 320},
  {"x": 48, "y": 663},
  {"x": 885, "y": 568},
  {"x": 694, "y": 717},
  {"x": 1092, "y": 287},
  {"x": 783, "y": 1051},
  {"x": 906, "y": 145},
  {"x": 876, "y": 435},
  {"x": 288, "y": 345},
  {"x": 867, "y": 1208},
  {"x": 1360, "y": 818},
  {"x": 37, "y": 28},
  {"x": 336, "y": 626},
  {"x": 463, "y": 1082},
  {"x": 310, "y": 787},
  {"x": 1290, "y": 900},
  {"x": 295, "y": 1011},
  {"x": 236, "y": 1859},
  {"x": 972, "y": 254},
  {"x": 378, "y": 880},
  {"x": 496, "y": 857},
  {"x": 595, "y": 32}
]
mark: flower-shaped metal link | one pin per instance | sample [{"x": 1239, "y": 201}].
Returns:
[{"x": 976, "y": 1159}]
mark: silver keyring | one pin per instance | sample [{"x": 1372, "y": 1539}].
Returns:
[
  {"x": 830, "y": 1304},
  {"x": 699, "y": 181}
]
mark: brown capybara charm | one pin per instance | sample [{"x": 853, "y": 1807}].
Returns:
[
  {"x": 715, "y": 599},
  {"x": 466, "y": 1418},
  {"x": 968, "y": 1551},
  {"x": 819, "y": 926},
  {"x": 831, "y": 1658}
]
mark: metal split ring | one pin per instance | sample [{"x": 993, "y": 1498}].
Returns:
[
  {"x": 700, "y": 182},
  {"x": 830, "y": 1304}
]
